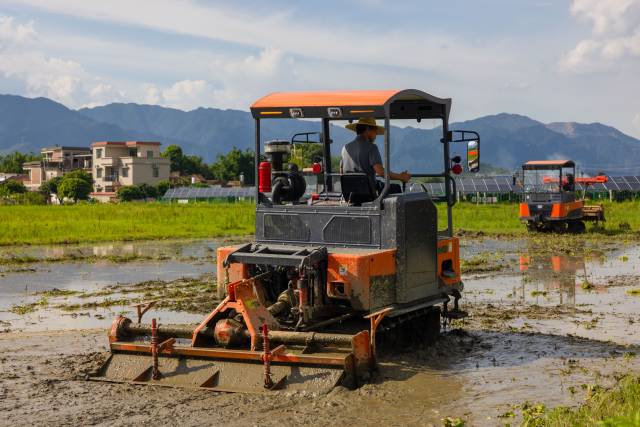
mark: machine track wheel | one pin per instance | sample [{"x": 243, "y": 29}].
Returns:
[
  {"x": 576, "y": 227},
  {"x": 557, "y": 226},
  {"x": 532, "y": 226},
  {"x": 412, "y": 330}
]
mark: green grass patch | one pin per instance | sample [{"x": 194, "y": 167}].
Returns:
[
  {"x": 618, "y": 407},
  {"x": 144, "y": 221},
  {"x": 22, "y": 309},
  {"x": 623, "y": 218},
  {"x": 123, "y": 221}
]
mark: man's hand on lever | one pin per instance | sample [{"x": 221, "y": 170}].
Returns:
[{"x": 404, "y": 176}]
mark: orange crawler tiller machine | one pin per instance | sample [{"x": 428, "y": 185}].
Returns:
[
  {"x": 550, "y": 201},
  {"x": 330, "y": 275}
]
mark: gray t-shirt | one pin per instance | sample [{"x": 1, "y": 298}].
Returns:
[{"x": 360, "y": 155}]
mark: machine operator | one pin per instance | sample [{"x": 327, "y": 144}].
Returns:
[{"x": 362, "y": 155}]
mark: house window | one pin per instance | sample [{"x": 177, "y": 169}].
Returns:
[
  {"x": 98, "y": 173},
  {"x": 98, "y": 153},
  {"x": 125, "y": 172},
  {"x": 149, "y": 154},
  {"x": 133, "y": 153},
  {"x": 155, "y": 171}
]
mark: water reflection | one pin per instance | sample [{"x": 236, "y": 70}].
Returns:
[
  {"x": 556, "y": 274},
  {"x": 148, "y": 249}
]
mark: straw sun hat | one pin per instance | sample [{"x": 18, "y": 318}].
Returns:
[{"x": 368, "y": 121}]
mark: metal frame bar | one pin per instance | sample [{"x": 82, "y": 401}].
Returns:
[
  {"x": 224, "y": 354},
  {"x": 326, "y": 153}
]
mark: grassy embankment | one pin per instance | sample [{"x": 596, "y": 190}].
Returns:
[
  {"x": 139, "y": 221},
  {"x": 127, "y": 221}
]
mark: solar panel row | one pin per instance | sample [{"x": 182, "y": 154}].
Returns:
[
  {"x": 493, "y": 185},
  {"x": 212, "y": 192}
]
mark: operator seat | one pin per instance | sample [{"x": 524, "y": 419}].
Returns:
[{"x": 357, "y": 188}]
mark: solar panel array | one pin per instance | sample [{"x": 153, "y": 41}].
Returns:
[
  {"x": 489, "y": 185},
  {"x": 504, "y": 185},
  {"x": 212, "y": 192}
]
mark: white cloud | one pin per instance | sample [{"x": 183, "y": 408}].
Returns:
[
  {"x": 12, "y": 33},
  {"x": 60, "y": 79},
  {"x": 615, "y": 35},
  {"x": 310, "y": 39},
  {"x": 187, "y": 94},
  {"x": 607, "y": 16}
]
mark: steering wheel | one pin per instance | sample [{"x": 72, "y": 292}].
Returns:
[{"x": 422, "y": 186}]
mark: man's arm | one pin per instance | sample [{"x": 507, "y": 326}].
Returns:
[
  {"x": 404, "y": 176},
  {"x": 376, "y": 160}
]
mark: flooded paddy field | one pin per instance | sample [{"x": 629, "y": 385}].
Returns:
[{"x": 551, "y": 321}]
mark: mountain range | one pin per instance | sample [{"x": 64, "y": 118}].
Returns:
[{"x": 507, "y": 140}]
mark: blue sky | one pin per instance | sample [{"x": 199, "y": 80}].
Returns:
[{"x": 554, "y": 60}]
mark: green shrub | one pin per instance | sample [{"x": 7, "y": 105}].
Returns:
[
  {"x": 149, "y": 191},
  {"x": 162, "y": 187},
  {"x": 31, "y": 198},
  {"x": 9, "y": 188},
  {"x": 129, "y": 193}
]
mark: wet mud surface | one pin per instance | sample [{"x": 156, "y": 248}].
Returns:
[{"x": 547, "y": 324}]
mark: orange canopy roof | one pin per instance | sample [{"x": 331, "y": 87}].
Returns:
[
  {"x": 323, "y": 99},
  {"x": 540, "y": 164}
]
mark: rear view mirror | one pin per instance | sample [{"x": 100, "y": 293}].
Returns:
[
  {"x": 472, "y": 139},
  {"x": 473, "y": 156}
]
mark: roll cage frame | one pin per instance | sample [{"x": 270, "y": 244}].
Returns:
[
  {"x": 548, "y": 165},
  {"x": 381, "y": 105}
]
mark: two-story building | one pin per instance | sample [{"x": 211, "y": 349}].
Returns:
[
  {"x": 56, "y": 161},
  {"x": 120, "y": 163}
]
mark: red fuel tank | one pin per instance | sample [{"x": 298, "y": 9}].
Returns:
[{"x": 264, "y": 177}]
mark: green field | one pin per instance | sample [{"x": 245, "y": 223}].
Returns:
[
  {"x": 125, "y": 221},
  {"x": 144, "y": 221}
]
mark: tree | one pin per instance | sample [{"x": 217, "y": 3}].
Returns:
[
  {"x": 129, "y": 193},
  {"x": 51, "y": 186},
  {"x": 186, "y": 165},
  {"x": 307, "y": 154},
  {"x": 80, "y": 174},
  {"x": 74, "y": 188},
  {"x": 12, "y": 163},
  {"x": 229, "y": 166},
  {"x": 174, "y": 154}
]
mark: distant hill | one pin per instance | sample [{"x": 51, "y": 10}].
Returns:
[
  {"x": 28, "y": 124},
  {"x": 508, "y": 140}
]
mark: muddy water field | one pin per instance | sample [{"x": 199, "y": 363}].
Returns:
[{"x": 551, "y": 320}]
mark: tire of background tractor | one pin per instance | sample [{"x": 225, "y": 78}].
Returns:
[
  {"x": 559, "y": 227},
  {"x": 576, "y": 227},
  {"x": 532, "y": 226}
]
